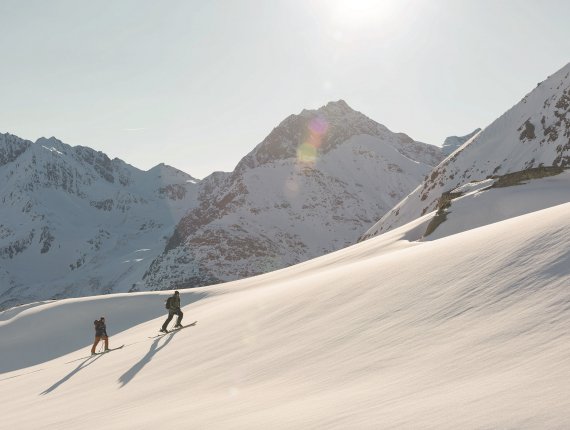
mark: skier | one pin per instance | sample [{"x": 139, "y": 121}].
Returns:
[
  {"x": 100, "y": 333},
  {"x": 173, "y": 306}
]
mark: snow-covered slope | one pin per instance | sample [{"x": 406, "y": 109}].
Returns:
[
  {"x": 73, "y": 222},
  {"x": 468, "y": 331},
  {"x": 481, "y": 203},
  {"x": 311, "y": 187},
  {"x": 90, "y": 225},
  {"x": 534, "y": 133},
  {"x": 485, "y": 202},
  {"x": 452, "y": 143}
]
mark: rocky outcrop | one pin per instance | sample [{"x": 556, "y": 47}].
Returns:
[
  {"x": 534, "y": 133},
  {"x": 309, "y": 188}
]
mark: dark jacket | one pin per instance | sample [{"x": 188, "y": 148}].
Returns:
[
  {"x": 174, "y": 303},
  {"x": 100, "y": 328}
]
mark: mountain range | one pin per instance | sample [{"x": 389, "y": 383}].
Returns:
[
  {"x": 454, "y": 313},
  {"x": 306, "y": 190},
  {"x": 74, "y": 222}
]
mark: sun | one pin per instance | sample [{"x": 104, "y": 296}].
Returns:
[{"x": 358, "y": 13}]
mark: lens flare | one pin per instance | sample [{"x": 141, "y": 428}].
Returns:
[
  {"x": 307, "y": 151},
  {"x": 318, "y": 125}
]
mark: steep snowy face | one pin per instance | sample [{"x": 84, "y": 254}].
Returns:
[
  {"x": 74, "y": 222},
  {"x": 321, "y": 131},
  {"x": 534, "y": 133},
  {"x": 11, "y": 147},
  {"x": 452, "y": 143},
  {"x": 311, "y": 187},
  {"x": 88, "y": 224}
]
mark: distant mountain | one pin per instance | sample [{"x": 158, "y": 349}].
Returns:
[
  {"x": 74, "y": 222},
  {"x": 451, "y": 143},
  {"x": 312, "y": 186},
  {"x": 534, "y": 133}
]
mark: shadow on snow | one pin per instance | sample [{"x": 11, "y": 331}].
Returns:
[
  {"x": 128, "y": 376},
  {"x": 83, "y": 365}
]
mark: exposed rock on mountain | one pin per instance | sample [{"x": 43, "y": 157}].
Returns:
[
  {"x": 311, "y": 187},
  {"x": 533, "y": 133},
  {"x": 74, "y": 222}
]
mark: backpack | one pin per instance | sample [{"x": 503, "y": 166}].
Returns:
[{"x": 168, "y": 302}]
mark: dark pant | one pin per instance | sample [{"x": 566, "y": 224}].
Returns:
[{"x": 171, "y": 313}]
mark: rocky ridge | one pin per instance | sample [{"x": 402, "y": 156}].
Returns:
[
  {"x": 309, "y": 188},
  {"x": 534, "y": 133}
]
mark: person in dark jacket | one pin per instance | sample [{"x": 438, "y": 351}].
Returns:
[
  {"x": 100, "y": 333},
  {"x": 173, "y": 309}
]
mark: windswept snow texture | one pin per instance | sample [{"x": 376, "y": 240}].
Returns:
[
  {"x": 480, "y": 204},
  {"x": 468, "y": 331},
  {"x": 534, "y": 133},
  {"x": 313, "y": 186},
  {"x": 74, "y": 222}
]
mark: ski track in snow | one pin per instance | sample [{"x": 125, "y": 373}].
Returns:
[{"x": 468, "y": 331}]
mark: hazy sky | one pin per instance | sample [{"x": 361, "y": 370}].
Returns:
[{"x": 197, "y": 84}]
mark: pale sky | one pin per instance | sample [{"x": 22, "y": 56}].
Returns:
[{"x": 197, "y": 84}]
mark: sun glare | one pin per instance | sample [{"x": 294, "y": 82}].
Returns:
[{"x": 357, "y": 13}]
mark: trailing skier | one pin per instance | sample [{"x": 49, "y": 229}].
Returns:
[
  {"x": 100, "y": 333},
  {"x": 173, "y": 306}
]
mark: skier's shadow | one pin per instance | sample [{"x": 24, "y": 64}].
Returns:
[
  {"x": 128, "y": 376},
  {"x": 82, "y": 365}
]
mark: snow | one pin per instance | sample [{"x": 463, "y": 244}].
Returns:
[
  {"x": 532, "y": 134},
  {"x": 278, "y": 209},
  {"x": 467, "y": 331},
  {"x": 482, "y": 206},
  {"x": 52, "y": 149},
  {"x": 452, "y": 143},
  {"x": 76, "y": 216}
]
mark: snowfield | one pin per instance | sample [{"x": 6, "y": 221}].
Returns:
[{"x": 466, "y": 331}]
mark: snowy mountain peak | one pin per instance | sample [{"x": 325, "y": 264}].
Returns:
[
  {"x": 452, "y": 143},
  {"x": 339, "y": 104},
  {"x": 338, "y": 107},
  {"x": 166, "y": 170},
  {"x": 11, "y": 147},
  {"x": 312, "y": 133},
  {"x": 53, "y": 144},
  {"x": 49, "y": 141},
  {"x": 309, "y": 188},
  {"x": 86, "y": 224},
  {"x": 532, "y": 134},
  {"x": 94, "y": 225},
  {"x": 165, "y": 174}
]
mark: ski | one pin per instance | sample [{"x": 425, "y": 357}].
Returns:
[
  {"x": 173, "y": 330},
  {"x": 97, "y": 353},
  {"x": 109, "y": 350}
]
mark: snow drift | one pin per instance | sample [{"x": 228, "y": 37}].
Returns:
[{"x": 468, "y": 331}]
